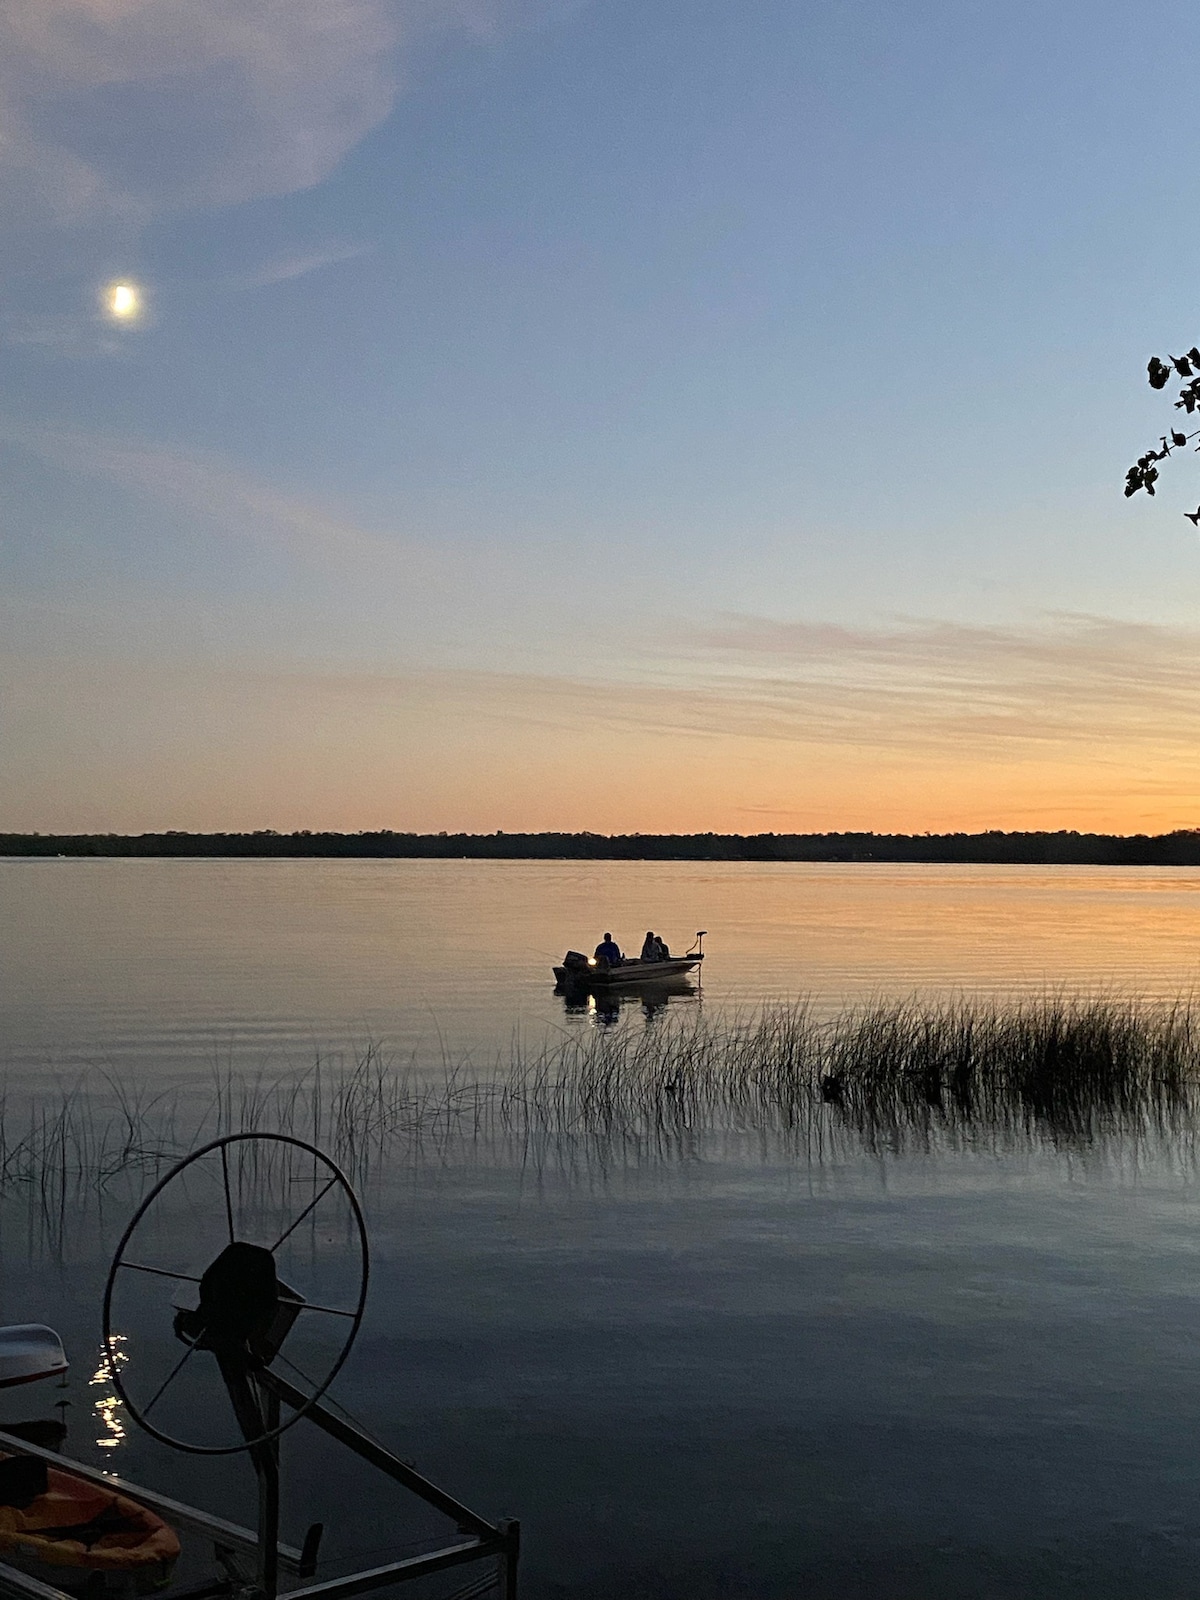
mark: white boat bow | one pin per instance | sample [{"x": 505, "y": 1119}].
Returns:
[{"x": 28, "y": 1351}]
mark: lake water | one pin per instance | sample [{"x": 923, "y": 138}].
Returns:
[
  {"x": 158, "y": 968},
  {"x": 737, "y": 1362}
]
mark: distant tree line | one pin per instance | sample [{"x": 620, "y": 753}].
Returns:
[{"x": 1066, "y": 847}]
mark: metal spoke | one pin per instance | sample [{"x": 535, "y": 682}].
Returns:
[
  {"x": 330, "y": 1311},
  {"x": 173, "y": 1374},
  {"x": 158, "y": 1272},
  {"x": 228, "y": 1196},
  {"x": 311, "y": 1206}
]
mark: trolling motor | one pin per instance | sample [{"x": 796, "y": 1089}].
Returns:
[{"x": 243, "y": 1308}]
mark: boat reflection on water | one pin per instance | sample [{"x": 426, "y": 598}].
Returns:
[{"x": 604, "y": 1007}]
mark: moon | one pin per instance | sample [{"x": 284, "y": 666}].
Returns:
[{"x": 123, "y": 301}]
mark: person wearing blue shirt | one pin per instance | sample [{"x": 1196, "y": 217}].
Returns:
[{"x": 608, "y": 953}]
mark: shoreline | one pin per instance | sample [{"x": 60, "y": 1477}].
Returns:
[{"x": 1180, "y": 848}]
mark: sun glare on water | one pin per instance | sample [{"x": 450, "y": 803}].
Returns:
[{"x": 123, "y": 301}]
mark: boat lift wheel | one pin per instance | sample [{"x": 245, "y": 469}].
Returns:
[{"x": 244, "y": 1312}]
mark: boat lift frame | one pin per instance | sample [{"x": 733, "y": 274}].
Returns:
[
  {"x": 243, "y": 1333},
  {"x": 257, "y": 1397}
]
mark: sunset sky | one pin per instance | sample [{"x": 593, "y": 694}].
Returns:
[{"x": 587, "y": 414}]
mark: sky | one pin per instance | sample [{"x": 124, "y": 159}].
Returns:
[{"x": 538, "y": 414}]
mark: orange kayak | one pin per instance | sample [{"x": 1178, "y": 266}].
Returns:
[{"x": 76, "y": 1524}]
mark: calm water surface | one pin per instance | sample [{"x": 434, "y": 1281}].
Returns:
[
  {"x": 158, "y": 967},
  {"x": 730, "y": 1365}
]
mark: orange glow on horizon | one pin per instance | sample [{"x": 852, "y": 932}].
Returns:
[{"x": 195, "y": 747}]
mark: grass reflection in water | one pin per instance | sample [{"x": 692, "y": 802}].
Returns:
[{"x": 1070, "y": 1070}]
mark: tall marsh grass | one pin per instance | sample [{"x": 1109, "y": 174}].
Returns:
[{"x": 1068, "y": 1069}]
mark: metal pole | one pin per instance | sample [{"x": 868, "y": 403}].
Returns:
[
  {"x": 266, "y": 1464},
  {"x": 510, "y": 1532},
  {"x": 383, "y": 1459},
  {"x": 254, "y": 1420},
  {"x": 395, "y": 1572}
]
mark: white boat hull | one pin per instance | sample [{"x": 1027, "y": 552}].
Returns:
[
  {"x": 28, "y": 1351},
  {"x": 597, "y": 977}
]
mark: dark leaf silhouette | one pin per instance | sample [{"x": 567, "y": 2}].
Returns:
[{"x": 1144, "y": 472}]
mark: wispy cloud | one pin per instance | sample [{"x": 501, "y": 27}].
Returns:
[
  {"x": 1066, "y": 679},
  {"x": 70, "y": 334},
  {"x": 128, "y": 108},
  {"x": 297, "y": 264},
  {"x": 237, "y": 501},
  {"x": 1066, "y": 722},
  {"x": 132, "y": 106},
  {"x": 1074, "y": 688},
  {"x": 1094, "y": 690},
  {"x": 1091, "y": 689},
  {"x": 115, "y": 113}
]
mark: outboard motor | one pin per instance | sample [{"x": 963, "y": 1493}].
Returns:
[{"x": 575, "y": 961}]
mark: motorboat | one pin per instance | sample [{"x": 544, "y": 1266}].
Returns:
[
  {"x": 29, "y": 1351},
  {"x": 585, "y": 972},
  {"x": 593, "y": 976}
]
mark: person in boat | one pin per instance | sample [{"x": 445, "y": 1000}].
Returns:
[
  {"x": 608, "y": 952},
  {"x": 650, "y": 948},
  {"x": 663, "y": 953}
]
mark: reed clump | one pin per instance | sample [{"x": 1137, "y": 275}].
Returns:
[{"x": 1067, "y": 1066}]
